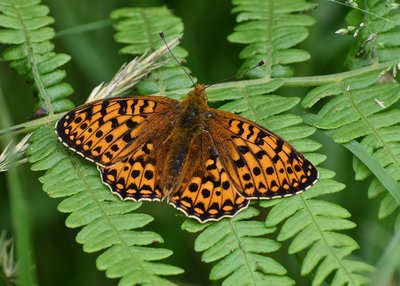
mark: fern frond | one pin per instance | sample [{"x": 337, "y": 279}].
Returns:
[
  {"x": 147, "y": 24},
  {"x": 314, "y": 224},
  {"x": 363, "y": 108},
  {"x": 108, "y": 223},
  {"x": 26, "y": 29},
  {"x": 237, "y": 248},
  {"x": 271, "y": 29},
  {"x": 307, "y": 221},
  {"x": 379, "y": 42},
  {"x": 311, "y": 223}
]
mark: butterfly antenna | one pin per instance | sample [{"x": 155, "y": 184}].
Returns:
[
  {"x": 172, "y": 54},
  {"x": 260, "y": 63}
]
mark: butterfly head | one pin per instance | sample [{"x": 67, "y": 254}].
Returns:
[
  {"x": 199, "y": 93},
  {"x": 193, "y": 109},
  {"x": 196, "y": 102}
]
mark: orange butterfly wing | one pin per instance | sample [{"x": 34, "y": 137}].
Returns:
[
  {"x": 124, "y": 137},
  {"x": 259, "y": 162},
  {"x": 107, "y": 131},
  {"x": 139, "y": 176},
  {"x": 205, "y": 191}
]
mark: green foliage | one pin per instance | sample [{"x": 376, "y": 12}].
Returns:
[
  {"x": 380, "y": 39},
  {"x": 310, "y": 224},
  {"x": 238, "y": 246},
  {"x": 26, "y": 29},
  {"x": 314, "y": 224},
  {"x": 357, "y": 109},
  {"x": 379, "y": 132},
  {"x": 364, "y": 108},
  {"x": 108, "y": 224},
  {"x": 147, "y": 24},
  {"x": 271, "y": 29}
]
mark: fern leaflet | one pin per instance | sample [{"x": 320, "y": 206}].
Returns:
[
  {"x": 147, "y": 24},
  {"x": 240, "y": 250},
  {"x": 271, "y": 29},
  {"x": 27, "y": 31},
  {"x": 355, "y": 112},
  {"x": 379, "y": 43}
]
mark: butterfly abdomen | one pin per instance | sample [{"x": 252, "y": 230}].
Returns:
[{"x": 175, "y": 159}]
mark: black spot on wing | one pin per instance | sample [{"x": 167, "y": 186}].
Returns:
[
  {"x": 104, "y": 105},
  {"x": 122, "y": 106}
]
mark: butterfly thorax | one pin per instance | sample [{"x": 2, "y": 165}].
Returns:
[{"x": 193, "y": 112}]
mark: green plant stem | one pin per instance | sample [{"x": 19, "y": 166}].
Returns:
[
  {"x": 20, "y": 216},
  {"x": 20, "y": 219},
  {"x": 298, "y": 81},
  {"x": 364, "y": 11},
  {"x": 84, "y": 28},
  {"x": 324, "y": 79},
  {"x": 29, "y": 126}
]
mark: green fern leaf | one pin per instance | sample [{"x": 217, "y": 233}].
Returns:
[
  {"x": 379, "y": 42},
  {"x": 239, "y": 250},
  {"x": 377, "y": 133},
  {"x": 301, "y": 215},
  {"x": 271, "y": 29},
  {"x": 358, "y": 107},
  {"x": 313, "y": 224},
  {"x": 362, "y": 108},
  {"x": 108, "y": 224},
  {"x": 147, "y": 24},
  {"x": 26, "y": 29},
  {"x": 310, "y": 223}
]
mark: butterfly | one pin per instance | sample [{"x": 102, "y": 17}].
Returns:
[{"x": 207, "y": 163}]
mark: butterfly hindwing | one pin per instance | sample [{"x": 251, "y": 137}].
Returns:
[
  {"x": 139, "y": 176},
  {"x": 107, "y": 131},
  {"x": 262, "y": 164},
  {"x": 136, "y": 176},
  {"x": 206, "y": 192}
]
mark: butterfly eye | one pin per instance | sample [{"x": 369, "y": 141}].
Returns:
[{"x": 207, "y": 114}]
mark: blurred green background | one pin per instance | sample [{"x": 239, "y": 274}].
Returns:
[{"x": 59, "y": 259}]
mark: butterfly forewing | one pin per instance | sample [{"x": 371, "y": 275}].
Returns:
[
  {"x": 107, "y": 131},
  {"x": 261, "y": 164}
]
